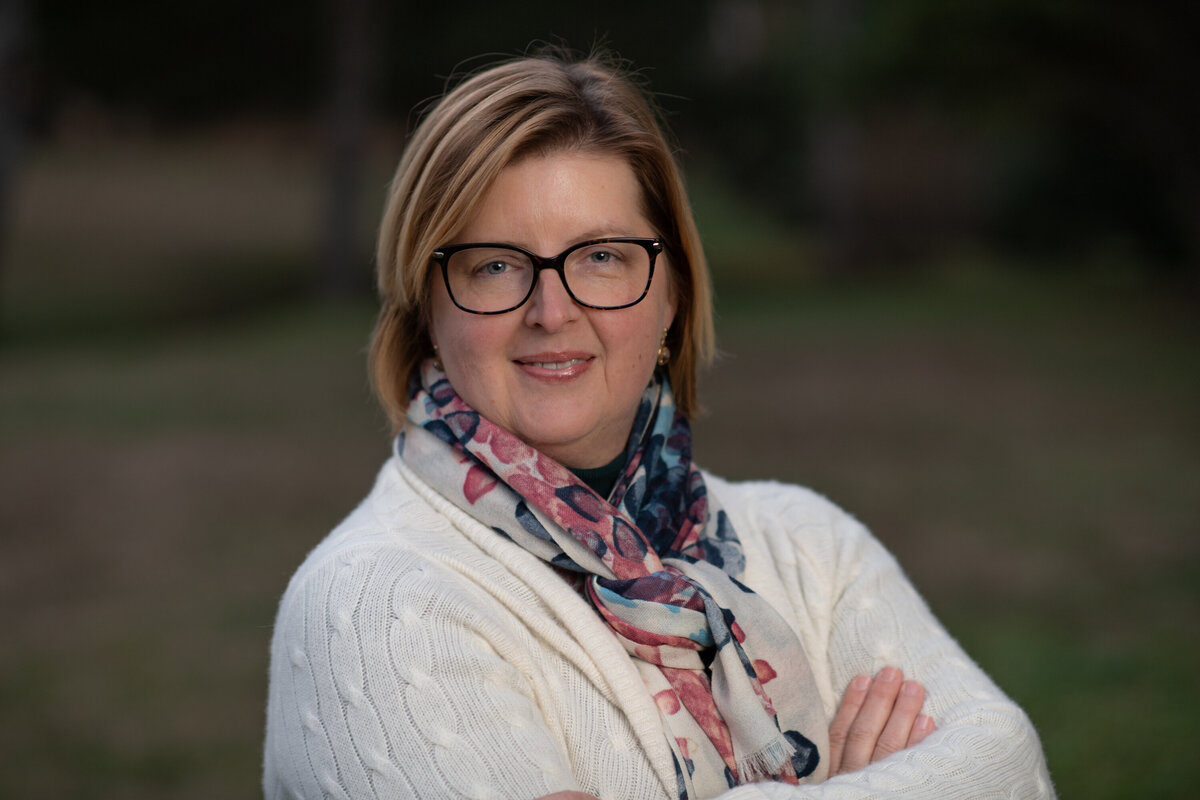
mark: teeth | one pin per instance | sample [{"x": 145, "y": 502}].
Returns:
[{"x": 555, "y": 364}]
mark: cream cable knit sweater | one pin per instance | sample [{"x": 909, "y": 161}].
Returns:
[{"x": 419, "y": 654}]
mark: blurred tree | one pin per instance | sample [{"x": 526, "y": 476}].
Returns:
[
  {"x": 347, "y": 126},
  {"x": 182, "y": 62},
  {"x": 14, "y": 105},
  {"x": 747, "y": 121},
  {"x": 1062, "y": 127},
  {"x": 1094, "y": 104},
  {"x": 834, "y": 28},
  {"x": 1059, "y": 125}
]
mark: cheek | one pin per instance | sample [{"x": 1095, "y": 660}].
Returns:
[
  {"x": 471, "y": 349},
  {"x": 457, "y": 335},
  {"x": 439, "y": 317},
  {"x": 634, "y": 344}
]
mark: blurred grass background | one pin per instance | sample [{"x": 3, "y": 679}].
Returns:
[{"x": 184, "y": 414}]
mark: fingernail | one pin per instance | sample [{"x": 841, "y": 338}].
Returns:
[
  {"x": 923, "y": 722},
  {"x": 861, "y": 683},
  {"x": 889, "y": 674},
  {"x": 910, "y": 688}
]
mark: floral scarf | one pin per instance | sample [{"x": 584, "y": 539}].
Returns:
[{"x": 659, "y": 560}]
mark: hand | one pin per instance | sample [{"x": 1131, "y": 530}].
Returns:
[{"x": 877, "y": 717}]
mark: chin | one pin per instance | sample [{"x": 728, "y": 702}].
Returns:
[{"x": 556, "y": 439}]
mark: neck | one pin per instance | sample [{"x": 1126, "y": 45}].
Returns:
[{"x": 602, "y": 479}]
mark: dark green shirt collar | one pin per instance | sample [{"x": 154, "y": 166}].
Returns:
[{"x": 601, "y": 480}]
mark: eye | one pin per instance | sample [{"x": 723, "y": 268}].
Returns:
[
  {"x": 600, "y": 256},
  {"x": 496, "y": 266}
]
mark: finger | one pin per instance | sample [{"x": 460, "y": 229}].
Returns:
[
  {"x": 852, "y": 701},
  {"x": 869, "y": 723},
  {"x": 900, "y": 723},
  {"x": 921, "y": 728}
]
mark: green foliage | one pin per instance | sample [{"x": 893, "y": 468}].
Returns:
[
  {"x": 1092, "y": 95},
  {"x": 1080, "y": 115}
]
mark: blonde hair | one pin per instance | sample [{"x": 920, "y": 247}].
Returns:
[{"x": 527, "y": 106}]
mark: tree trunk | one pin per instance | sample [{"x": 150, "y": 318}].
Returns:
[
  {"x": 344, "y": 262},
  {"x": 13, "y": 29},
  {"x": 834, "y": 135}
]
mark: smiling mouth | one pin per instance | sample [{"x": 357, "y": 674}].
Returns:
[{"x": 554, "y": 365}]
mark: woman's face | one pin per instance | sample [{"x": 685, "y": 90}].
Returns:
[{"x": 563, "y": 378}]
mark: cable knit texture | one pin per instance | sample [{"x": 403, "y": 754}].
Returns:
[{"x": 419, "y": 654}]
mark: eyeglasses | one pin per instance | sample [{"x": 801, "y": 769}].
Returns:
[{"x": 605, "y": 274}]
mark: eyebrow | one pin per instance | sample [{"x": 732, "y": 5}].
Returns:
[
  {"x": 602, "y": 232},
  {"x": 605, "y": 231}
]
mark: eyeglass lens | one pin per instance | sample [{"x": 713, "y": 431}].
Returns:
[{"x": 497, "y": 278}]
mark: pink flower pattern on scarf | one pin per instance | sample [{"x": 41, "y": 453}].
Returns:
[{"x": 661, "y": 562}]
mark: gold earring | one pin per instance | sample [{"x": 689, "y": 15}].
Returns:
[
  {"x": 664, "y": 352},
  {"x": 437, "y": 359}
]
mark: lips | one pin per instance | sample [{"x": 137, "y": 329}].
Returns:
[{"x": 552, "y": 366}]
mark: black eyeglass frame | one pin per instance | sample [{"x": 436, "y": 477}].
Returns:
[{"x": 653, "y": 247}]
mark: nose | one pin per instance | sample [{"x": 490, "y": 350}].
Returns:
[{"x": 551, "y": 306}]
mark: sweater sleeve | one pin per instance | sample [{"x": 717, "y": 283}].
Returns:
[
  {"x": 984, "y": 745},
  {"x": 387, "y": 681}
]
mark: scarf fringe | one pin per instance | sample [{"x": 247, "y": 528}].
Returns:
[
  {"x": 729, "y": 715},
  {"x": 766, "y": 762}
]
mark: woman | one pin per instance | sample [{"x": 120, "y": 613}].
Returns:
[{"x": 542, "y": 594}]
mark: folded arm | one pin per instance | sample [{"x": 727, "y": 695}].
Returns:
[
  {"x": 877, "y": 717},
  {"x": 983, "y": 742}
]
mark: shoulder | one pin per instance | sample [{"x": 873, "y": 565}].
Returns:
[
  {"x": 392, "y": 519},
  {"x": 407, "y": 552},
  {"x": 763, "y": 500},
  {"x": 792, "y": 530},
  {"x": 398, "y": 662},
  {"x": 783, "y": 514},
  {"x": 397, "y": 586},
  {"x": 397, "y": 550}
]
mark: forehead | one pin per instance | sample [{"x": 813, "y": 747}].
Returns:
[{"x": 558, "y": 199}]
